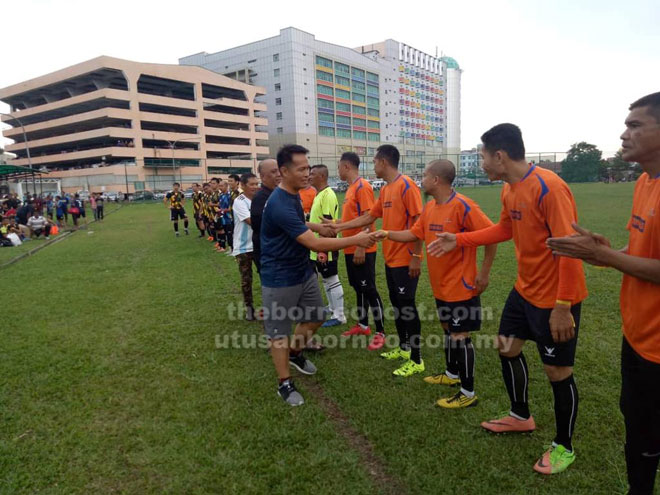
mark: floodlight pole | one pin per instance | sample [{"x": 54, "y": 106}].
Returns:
[{"x": 27, "y": 147}]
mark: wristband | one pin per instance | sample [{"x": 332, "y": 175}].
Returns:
[
  {"x": 387, "y": 234},
  {"x": 417, "y": 256},
  {"x": 563, "y": 302}
]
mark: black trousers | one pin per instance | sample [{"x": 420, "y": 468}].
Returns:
[{"x": 640, "y": 405}]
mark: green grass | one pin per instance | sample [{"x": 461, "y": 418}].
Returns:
[{"x": 112, "y": 383}]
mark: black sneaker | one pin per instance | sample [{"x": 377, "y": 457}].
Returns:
[
  {"x": 302, "y": 364},
  {"x": 287, "y": 390},
  {"x": 250, "y": 314},
  {"x": 187, "y": 233}
]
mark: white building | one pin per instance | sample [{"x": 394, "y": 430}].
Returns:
[{"x": 331, "y": 98}]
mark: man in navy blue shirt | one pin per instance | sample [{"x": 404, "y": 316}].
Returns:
[{"x": 289, "y": 288}]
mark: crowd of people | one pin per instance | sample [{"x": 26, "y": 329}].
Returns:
[
  {"x": 289, "y": 228},
  {"x": 24, "y": 220}
]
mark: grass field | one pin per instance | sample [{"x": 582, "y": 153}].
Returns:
[{"x": 112, "y": 381}]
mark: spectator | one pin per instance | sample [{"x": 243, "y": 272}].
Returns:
[
  {"x": 60, "y": 211},
  {"x": 39, "y": 225},
  {"x": 75, "y": 210},
  {"x": 24, "y": 212},
  {"x": 99, "y": 206},
  {"x": 92, "y": 203}
]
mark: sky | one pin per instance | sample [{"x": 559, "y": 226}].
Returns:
[{"x": 564, "y": 71}]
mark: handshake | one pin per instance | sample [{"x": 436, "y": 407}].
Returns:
[{"x": 368, "y": 239}]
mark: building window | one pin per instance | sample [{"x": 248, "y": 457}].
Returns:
[
  {"x": 359, "y": 97},
  {"x": 280, "y": 130},
  {"x": 252, "y": 61},
  {"x": 374, "y": 125},
  {"x": 372, "y": 77},
  {"x": 359, "y": 122},
  {"x": 326, "y": 131},
  {"x": 374, "y": 136},
  {"x": 340, "y": 93},
  {"x": 373, "y": 102},
  {"x": 323, "y": 76},
  {"x": 344, "y": 133},
  {"x": 276, "y": 72},
  {"x": 342, "y": 119},
  {"x": 278, "y": 87},
  {"x": 357, "y": 72},
  {"x": 276, "y": 57},
  {"x": 278, "y": 101},
  {"x": 278, "y": 116},
  {"x": 325, "y": 104},
  {"x": 326, "y": 117},
  {"x": 360, "y": 135},
  {"x": 323, "y": 90},
  {"x": 359, "y": 110},
  {"x": 342, "y": 68},
  {"x": 358, "y": 85},
  {"x": 324, "y": 62},
  {"x": 344, "y": 81}
]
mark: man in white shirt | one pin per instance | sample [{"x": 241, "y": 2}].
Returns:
[
  {"x": 243, "y": 239},
  {"x": 38, "y": 225}
]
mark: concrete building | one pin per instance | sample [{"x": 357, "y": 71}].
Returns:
[
  {"x": 114, "y": 125},
  {"x": 331, "y": 98},
  {"x": 469, "y": 162}
]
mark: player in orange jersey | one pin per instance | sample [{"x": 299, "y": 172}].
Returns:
[
  {"x": 307, "y": 196},
  {"x": 399, "y": 204},
  {"x": 544, "y": 305},
  {"x": 360, "y": 262},
  {"x": 640, "y": 293},
  {"x": 454, "y": 278}
]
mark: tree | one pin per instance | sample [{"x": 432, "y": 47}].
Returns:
[{"x": 582, "y": 164}]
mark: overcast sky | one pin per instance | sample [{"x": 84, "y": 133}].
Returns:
[{"x": 564, "y": 71}]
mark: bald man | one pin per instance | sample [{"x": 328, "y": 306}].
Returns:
[
  {"x": 269, "y": 174},
  {"x": 455, "y": 280}
]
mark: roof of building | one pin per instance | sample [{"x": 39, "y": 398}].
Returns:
[{"x": 451, "y": 62}]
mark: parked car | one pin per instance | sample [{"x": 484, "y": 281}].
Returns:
[
  {"x": 188, "y": 193},
  {"x": 159, "y": 194},
  {"x": 377, "y": 184},
  {"x": 141, "y": 196},
  {"x": 113, "y": 196},
  {"x": 340, "y": 186}
]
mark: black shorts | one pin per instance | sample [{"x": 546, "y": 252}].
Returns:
[
  {"x": 361, "y": 277},
  {"x": 176, "y": 213},
  {"x": 460, "y": 316},
  {"x": 330, "y": 268},
  {"x": 523, "y": 320},
  {"x": 399, "y": 283}
]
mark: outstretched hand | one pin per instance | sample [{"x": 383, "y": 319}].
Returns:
[
  {"x": 379, "y": 235},
  {"x": 444, "y": 243},
  {"x": 584, "y": 245},
  {"x": 363, "y": 239}
]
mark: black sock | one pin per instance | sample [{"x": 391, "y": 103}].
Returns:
[
  {"x": 414, "y": 329},
  {"x": 516, "y": 379},
  {"x": 176, "y": 226},
  {"x": 376, "y": 309},
  {"x": 465, "y": 356},
  {"x": 363, "y": 309},
  {"x": 566, "y": 409},
  {"x": 450, "y": 355},
  {"x": 185, "y": 224}
]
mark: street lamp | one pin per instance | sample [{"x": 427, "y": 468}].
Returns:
[
  {"x": 27, "y": 147},
  {"x": 173, "y": 145}
]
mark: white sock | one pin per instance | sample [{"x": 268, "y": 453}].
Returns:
[
  {"x": 466, "y": 393},
  {"x": 335, "y": 294}
]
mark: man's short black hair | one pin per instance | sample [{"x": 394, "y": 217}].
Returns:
[
  {"x": 322, "y": 168},
  {"x": 196, "y": 184},
  {"x": 215, "y": 179},
  {"x": 286, "y": 152},
  {"x": 176, "y": 184},
  {"x": 246, "y": 177},
  {"x": 234, "y": 176},
  {"x": 351, "y": 158},
  {"x": 653, "y": 102},
  {"x": 388, "y": 153},
  {"x": 505, "y": 137}
]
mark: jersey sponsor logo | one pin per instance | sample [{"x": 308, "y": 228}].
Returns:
[
  {"x": 402, "y": 290},
  {"x": 436, "y": 227},
  {"x": 638, "y": 223},
  {"x": 549, "y": 351},
  {"x": 515, "y": 214},
  {"x": 387, "y": 204}
]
